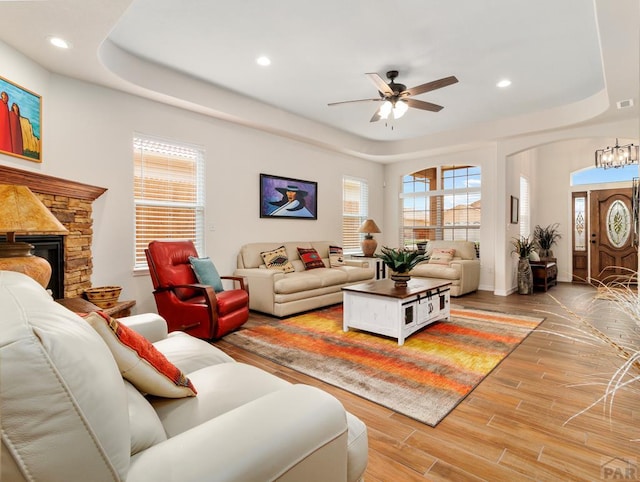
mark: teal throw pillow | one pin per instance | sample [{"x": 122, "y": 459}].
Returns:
[{"x": 206, "y": 273}]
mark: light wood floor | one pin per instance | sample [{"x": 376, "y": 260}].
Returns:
[{"x": 513, "y": 426}]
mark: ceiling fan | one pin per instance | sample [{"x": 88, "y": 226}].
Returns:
[{"x": 396, "y": 98}]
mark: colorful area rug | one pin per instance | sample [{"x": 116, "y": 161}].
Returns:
[{"x": 424, "y": 379}]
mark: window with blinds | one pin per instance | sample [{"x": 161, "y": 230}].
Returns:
[
  {"x": 441, "y": 203},
  {"x": 355, "y": 210},
  {"x": 525, "y": 215},
  {"x": 168, "y": 193}
]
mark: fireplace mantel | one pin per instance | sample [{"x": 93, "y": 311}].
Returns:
[
  {"x": 70, "y": 202},
  {"x": 49, "y": 185}
]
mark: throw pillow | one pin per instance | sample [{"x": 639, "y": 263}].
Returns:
[
  {"x": 206, "y": 273},
  {"x": 310, "y": 258},
  {"x": 336, "y": 256},
  {"x": 441, "y": 255},
  {"x": 277, "y": 259},
  {"x": 139, "y": 361}
]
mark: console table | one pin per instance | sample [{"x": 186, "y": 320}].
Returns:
[
  {"x": 379, "y": 307},
  {"x": 545, "y": 274}
]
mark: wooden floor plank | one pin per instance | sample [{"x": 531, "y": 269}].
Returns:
[{"x": 513, "y": 426}]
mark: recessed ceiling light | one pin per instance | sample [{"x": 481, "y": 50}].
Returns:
[
  {"x": 263, "y": 60},
  {"x": 59, "y": 42},
  {"x": 504, "y": 83}
]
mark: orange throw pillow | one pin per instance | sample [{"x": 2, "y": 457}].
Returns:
[{"x": 139, "y": 361}]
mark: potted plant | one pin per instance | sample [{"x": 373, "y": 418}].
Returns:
[
  {"x": 523, "y": 247},
  {"x": 400, "y": 262},
  {"x": 545, "y": 238}
]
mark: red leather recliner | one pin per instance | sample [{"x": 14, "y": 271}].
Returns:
[{"x": 186, "y": 305}]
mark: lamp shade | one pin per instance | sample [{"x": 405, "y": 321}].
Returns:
[
  {"x": 22, "y": 212},
  {"x": 369, "y": 244},
  {"x": 369, "y": 226}
]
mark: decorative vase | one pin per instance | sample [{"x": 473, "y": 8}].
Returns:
[
  {"x": 369, "y": 246},
  {"x": 400, "y": 279},
  {"x": 525, "y": 277}
]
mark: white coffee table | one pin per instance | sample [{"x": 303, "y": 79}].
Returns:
[{"x": 379, "y": 307}]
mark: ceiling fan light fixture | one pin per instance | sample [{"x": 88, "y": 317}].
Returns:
[
  {"x": 385, "y": 109},
  {"x": 399, "y": 109}
]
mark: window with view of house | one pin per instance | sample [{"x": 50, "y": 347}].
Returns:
[
  {"x": 168, "y": 193},
  {"x": 355, "y": 210},
  {"x": 441, "y": 203}
]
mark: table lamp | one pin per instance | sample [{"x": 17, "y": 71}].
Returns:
[
  {"x": 369, "y": 244},
  {"x": 22, "y": 212}
]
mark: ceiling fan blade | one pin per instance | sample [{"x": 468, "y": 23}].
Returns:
[
  {"x": 419, "y": 104},
  {"x": 376, "y": 117},
  {"x": 359, "y": 100},
  {"x": 433, "y": 85},
  {"x": 380, "y": 84}
]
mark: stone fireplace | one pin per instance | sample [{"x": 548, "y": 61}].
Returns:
[{"x": 70, "y": 202}]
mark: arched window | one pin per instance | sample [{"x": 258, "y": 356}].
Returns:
[
  {"x": 441, "y": 203},
  {"x": 598, "y": 175}
]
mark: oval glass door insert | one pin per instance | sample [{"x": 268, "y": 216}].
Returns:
[{"x": 618, "y": 224}]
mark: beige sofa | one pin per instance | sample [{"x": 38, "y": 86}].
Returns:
[
  {"x": 68, "y": 414},
  {"x": 463, "y": 270},
  {"x": 282, "y": 294}
]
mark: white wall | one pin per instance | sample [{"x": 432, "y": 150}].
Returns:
[{"x": 87, "y": 137}]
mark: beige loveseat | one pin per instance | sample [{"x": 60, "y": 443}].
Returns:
[
  {"x": 463, "y": 270},
  {"x": 282, "y": 294},
  {"x": 68, "y": 414}
]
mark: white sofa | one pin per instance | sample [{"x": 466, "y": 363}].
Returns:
[
  {"x": 68, "y": 415},
  {"x": 463, "y": 270},
  {"x": 282, "y": 294}
]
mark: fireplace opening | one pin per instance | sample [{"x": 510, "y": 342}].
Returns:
[{"x": 51, "y": 248}]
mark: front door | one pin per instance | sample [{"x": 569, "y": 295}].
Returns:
[{"x": 613, "y": 254}]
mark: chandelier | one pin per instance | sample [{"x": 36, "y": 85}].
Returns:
[{"x": 617, "y": 156}]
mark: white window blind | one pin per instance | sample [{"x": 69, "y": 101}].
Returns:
[
  {"x": 355, "y": 210},
  {"x": 168, "y": 193},
  {"x": 525, "y": 216}
]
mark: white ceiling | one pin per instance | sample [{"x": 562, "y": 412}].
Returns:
[{"x": 560, "y": 55}]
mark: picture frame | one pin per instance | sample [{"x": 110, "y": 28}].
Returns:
[
  {"x": 287, "y": 197},
  {"x": 20, "y": 121},
  {"x": 515, "y": 210}
]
